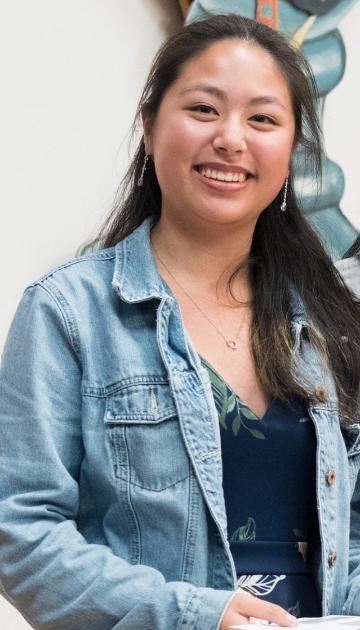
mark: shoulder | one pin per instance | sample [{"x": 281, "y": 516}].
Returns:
[
  {"x": 90, "y": 271},
  {"x": 80, "y": 265},
  {"x": 75, "y": 296},
  {"x": 79, "y": 290}
]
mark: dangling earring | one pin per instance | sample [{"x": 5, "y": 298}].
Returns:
[
  {"x": 283, "y": 205},
  {"x": 140, "y": 181}
]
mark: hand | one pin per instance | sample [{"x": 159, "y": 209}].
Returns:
[{"x": 243, "y": 606}]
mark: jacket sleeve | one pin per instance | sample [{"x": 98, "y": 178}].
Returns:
[
  {"x": 47, "y": 569},
  {"x": 352, "y": 604}
]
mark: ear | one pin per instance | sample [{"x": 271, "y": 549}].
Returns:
[{"x": 148, "y": 122}]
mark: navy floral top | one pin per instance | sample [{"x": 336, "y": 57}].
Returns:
[{"x": 269, "y": 489}]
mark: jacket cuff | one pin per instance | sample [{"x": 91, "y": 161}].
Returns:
[{"x": 206, "y": 609}]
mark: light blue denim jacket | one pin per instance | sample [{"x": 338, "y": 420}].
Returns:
[{"x": 111, "y": 503}]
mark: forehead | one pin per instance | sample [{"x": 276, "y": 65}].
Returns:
[{"x": 237, "y": 67}]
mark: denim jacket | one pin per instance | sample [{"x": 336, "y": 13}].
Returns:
[{"x": 111, "y": 503}]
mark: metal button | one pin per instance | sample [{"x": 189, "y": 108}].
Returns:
[
  {"x": 321, "y": 393},
  {"x": 331, "y": 476},
  {"x": 332, "y": 558}
]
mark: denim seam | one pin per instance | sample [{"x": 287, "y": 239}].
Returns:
[
  {"x": 140, "y": 417},
  {"x": 197, "y": 452},
  {"x": 70, "y": 326},
  {"x": 183, "y": 623},
  {"x": 136, "y": 545},
  {"x": 191, "y": 532},
  {"x": 135, "y": 542},
  {"x": 175, "y": 483},
  {"x": 101, "y": 257},
  {"x": 119, "y": 445},
  {"x": 114, "y": 388},
  {"x": 321, "y": 501}
]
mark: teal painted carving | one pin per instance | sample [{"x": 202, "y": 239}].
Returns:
[{"x": 324, "y": 48}]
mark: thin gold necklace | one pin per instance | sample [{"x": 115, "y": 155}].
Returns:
[{"x": 231, "y": 343}]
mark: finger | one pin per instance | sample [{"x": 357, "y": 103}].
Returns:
[
  {"x": 254, "y": 607},
  {"x": 233, "y": 618}
]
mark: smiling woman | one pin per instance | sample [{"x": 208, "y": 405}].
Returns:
[
  {"x": 183, "y": 399},
  {"x": 222, "y": 148}
]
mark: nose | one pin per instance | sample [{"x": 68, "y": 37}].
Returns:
[{"x": 230, "y": 137}]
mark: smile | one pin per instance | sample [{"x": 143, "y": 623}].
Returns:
[
  {"x": 215, "y": 172},
  {"x": 225, "y": 180},
  {"x": 221, "y": 176}
]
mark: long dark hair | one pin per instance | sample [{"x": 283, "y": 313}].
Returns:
[
  {"x": 285, "y": 252},
  {"x": 354, "y": 250}
]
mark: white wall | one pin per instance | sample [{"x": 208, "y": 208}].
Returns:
[
  {"x": 341, "y": 127},
  {"x": 71, "y": 73}
]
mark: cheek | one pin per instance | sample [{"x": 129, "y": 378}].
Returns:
[
  {"x": 187, "y": 132},
  {"x": 274, "y": 156},
  {"x": 181, "y": 139}
]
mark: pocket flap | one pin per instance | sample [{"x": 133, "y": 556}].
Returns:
[{"x": 140, "y": 403}]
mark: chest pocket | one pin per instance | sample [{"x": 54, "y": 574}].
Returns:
[{"x": 144, "y": 437}]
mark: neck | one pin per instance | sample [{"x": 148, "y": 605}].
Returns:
[{"x": 203, "y": 260}]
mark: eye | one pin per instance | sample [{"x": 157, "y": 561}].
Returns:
[
  {"x": 263, "y": 118},
  {"x": 203, "y": 109}
]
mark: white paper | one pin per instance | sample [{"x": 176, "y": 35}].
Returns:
[{"x": 312, "y": 623}]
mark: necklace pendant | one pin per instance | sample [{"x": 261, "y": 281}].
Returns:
[{"x": 234, "y": 345}]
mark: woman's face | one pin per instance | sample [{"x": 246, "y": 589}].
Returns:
[{"x": 223, "y": 136}]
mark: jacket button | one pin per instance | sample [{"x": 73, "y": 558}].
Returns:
[
  {"x": 332, "y": 558},
  {"x": 330, "y": 476},
  {"x": 321, "y": 393}
]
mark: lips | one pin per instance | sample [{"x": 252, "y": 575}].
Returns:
[{"x": 223, "y": 173}]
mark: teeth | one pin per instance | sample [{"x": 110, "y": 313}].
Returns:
[{"x": 221, "y": 175}]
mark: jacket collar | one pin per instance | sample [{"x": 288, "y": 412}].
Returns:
[{"x": 136, "y": 277}]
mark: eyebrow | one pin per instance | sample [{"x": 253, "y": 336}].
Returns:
[{"x": 215, "y": 91}]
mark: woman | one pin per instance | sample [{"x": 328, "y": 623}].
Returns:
[{"x": 210, "y": 318}]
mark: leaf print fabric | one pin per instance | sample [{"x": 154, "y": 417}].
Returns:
[
  {"x": 233, "y": 413},
  {"x": 259, "y": 585},
  {"x": 269, "y": 492},
  {"x": 245, "y": 532}
]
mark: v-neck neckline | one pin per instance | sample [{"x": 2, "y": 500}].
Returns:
[{"x": 243, "y": 404}]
